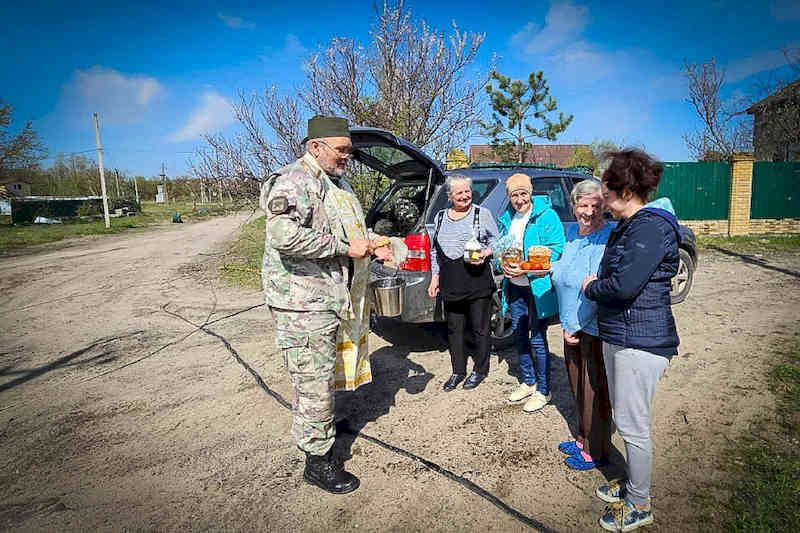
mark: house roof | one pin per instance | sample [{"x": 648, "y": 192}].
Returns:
[
  {"x": 793, "y": 89},
  {"x": 557, "y": 154}
]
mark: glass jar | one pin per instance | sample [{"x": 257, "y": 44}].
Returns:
[
  {"x": 472, "y": 250},
  {"x": 512, "y": 256}
]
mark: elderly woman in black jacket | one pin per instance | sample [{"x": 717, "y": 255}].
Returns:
[{"x": 635, "y": 321}]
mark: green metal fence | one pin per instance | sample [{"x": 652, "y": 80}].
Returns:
[
  {"x": 776, "y": 190},
  {"x": 699, "y": 191}
]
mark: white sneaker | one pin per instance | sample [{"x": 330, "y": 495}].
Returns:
[
  {"x": 536, "y": 402},
  {"x": 522, "y": 392}
]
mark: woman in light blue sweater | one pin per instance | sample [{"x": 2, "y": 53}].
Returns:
[{"x": 583, "y": 349}]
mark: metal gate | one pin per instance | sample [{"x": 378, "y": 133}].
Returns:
[{"x": 776, "y": 190}]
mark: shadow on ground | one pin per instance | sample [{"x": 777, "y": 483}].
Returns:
[{"x": 392, "y": 370}]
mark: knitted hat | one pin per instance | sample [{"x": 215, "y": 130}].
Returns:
[
  {"x": 517, "y": 182},
  {"x": 320, "y": 127}
]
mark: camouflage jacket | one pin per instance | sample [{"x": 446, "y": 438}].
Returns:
[{"x": 305, "y": 265}]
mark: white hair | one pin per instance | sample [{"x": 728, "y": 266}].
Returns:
[
  {"x": 584, "y": 188},
  {"x": 453, "y": 179}
]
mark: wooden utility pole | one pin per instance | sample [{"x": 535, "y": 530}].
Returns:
[
  {"x": 102, "y": 174},
  {"x": 116, "y": 172}
]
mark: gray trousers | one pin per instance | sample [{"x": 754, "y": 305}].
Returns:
[{"x": 632, "y": 378}]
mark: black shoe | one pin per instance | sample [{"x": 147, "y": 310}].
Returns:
[
  {"x": 473, "y": 380},
  {"x": 454, "y": 380},
  {"x": 323, "y": 472}
]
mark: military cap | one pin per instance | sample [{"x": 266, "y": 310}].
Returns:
[{"x": 321, "y": 126}]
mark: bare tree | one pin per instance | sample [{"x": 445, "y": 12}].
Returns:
[
  {"x": 23, "y": 150},
  {"x": 725, "y": 129},
  {"x": 767, "y": 84},
  {"x": 411, "y": 79}
]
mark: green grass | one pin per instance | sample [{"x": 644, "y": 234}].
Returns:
[
  {"x": 15, "y": 238},
  {"x": 242, "y": 264},
  {"x": 751, "y": 244},
  {"x": 766, "y": 462}
]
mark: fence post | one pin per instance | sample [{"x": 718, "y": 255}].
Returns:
[{"x": 741, "y": 194}]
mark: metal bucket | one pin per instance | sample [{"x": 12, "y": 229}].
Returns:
[{"x": 388, "y": 296}]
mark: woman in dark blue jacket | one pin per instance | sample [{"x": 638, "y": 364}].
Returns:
[{"x": 635, "y": 321}]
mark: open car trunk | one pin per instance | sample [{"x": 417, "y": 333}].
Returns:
[{"x": 399, "y": 209}]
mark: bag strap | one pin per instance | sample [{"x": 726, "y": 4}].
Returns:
[
  {"x": 476, "y": 224},
  {"x": 439, "y": 218}
]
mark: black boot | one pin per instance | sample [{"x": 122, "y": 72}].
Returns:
[{"x": 323, "y": 472}]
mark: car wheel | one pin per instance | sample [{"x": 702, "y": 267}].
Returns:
[
  {"x": 682, "y": 282},
  {"x": 501, "y": 334}
]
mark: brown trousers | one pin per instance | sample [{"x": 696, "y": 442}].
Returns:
[{"x": 586, "y": 372}]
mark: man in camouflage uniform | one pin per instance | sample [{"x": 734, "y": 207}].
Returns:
[{"x": 305, "y": 275}]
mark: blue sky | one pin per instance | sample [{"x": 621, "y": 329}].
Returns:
[{"x": 160, "y": 74}]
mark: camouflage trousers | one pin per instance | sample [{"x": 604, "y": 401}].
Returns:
[{"x": 308, "y": 342}]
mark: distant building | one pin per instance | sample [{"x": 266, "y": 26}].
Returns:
[
  {"x": 776, "y": 125},
  {"x": 15, "y": 187},
  {"x": 543, "y": 154},
  {"x": 456, "y": 158}
]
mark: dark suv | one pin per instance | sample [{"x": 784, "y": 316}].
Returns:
[{"x": 408, "y": 206}]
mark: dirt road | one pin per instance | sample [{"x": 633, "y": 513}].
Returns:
[{"x": 122, "y": 406}]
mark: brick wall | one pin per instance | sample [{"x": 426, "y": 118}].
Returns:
[
  {"x": 741, "y": 194},
  {"x": 707, "y": 227},
  {"x": 768, "y": 225}
]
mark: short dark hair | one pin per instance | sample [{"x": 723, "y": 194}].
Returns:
[{"x": 633, "y": 169}]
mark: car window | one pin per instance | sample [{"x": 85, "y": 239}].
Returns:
[
  {"x": 387, "y": 155},
  {"x": 554, "y": 189},
  {"x": 480, "y": 190}
]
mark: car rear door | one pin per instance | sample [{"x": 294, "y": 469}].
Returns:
[{"x": 395, "y": 158}]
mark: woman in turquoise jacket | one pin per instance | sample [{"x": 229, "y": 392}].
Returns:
[{"x": 528, "y": 221}]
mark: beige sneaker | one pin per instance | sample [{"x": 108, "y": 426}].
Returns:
[
  {"x": 536, "y": 402},
  {"x": 522, "y": 392}
]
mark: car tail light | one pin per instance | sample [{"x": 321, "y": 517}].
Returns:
[{"x": 419, "y": 253}]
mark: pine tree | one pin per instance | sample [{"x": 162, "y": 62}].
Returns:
[{"x": 514, "y": 102}]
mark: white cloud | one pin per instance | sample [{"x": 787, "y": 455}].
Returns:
[
  {"x": 754, "y": 64},
  {"x": 118, "y": 98},
  {"x": 615, "y": 93},
  {"x": 564, "y": 23},
  {"x": 670, "y": 85},
  {"x": 236, "y": 22},
  {"x": 559, "y": 45},
  {"x": 291, "y": 50},
  {"x": 214, "y": 114},
  {"x": 581, "y": 61}
]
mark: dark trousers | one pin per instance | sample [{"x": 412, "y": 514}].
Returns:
[
  {"x": 475, "y": 314},
  {"x": 586, "y": 372}
]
